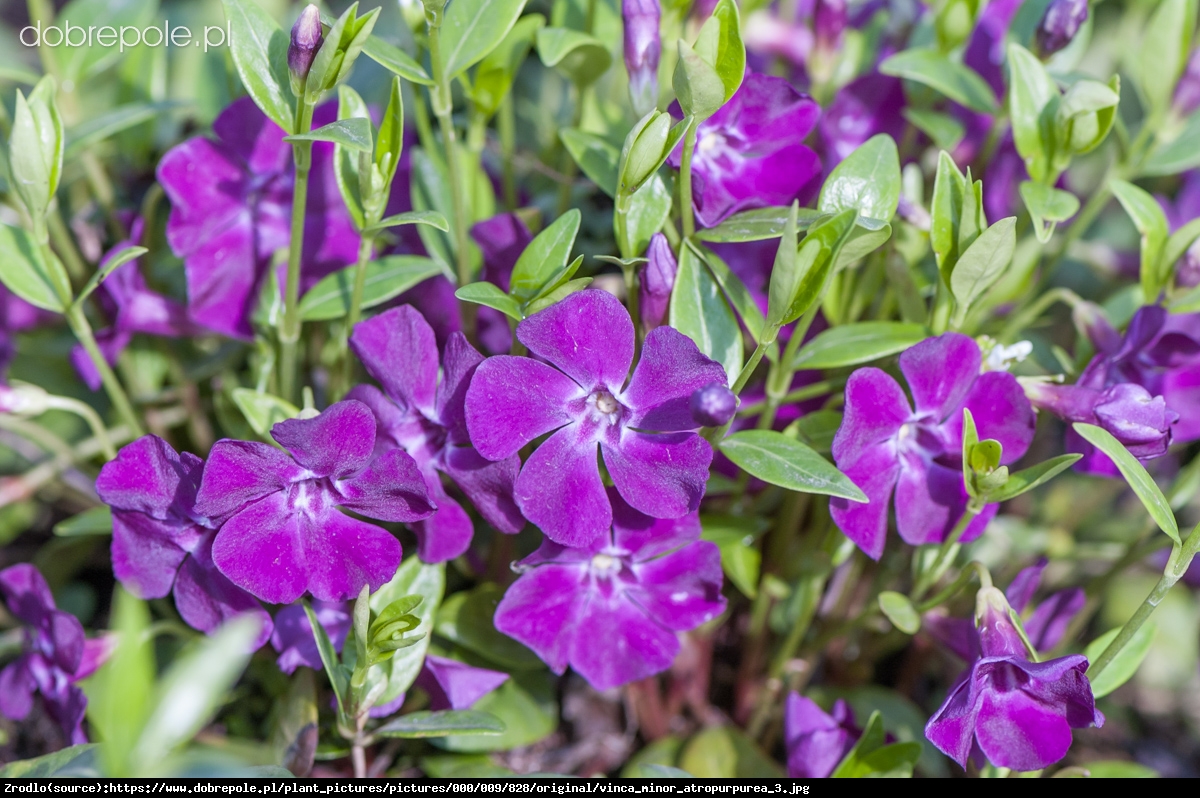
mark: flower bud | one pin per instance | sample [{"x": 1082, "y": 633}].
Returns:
[
  {"x": 23, "y": 399},
  {"x": 657, "y": 280},
  {"x": 829, "y": 21},
  {"x": 642, "y": 49},
  {"x": 1141, "y": 422},
  {"x": 713, "y": 405},
  {"x": 306, "y": 40},
  {"x": 1062, "y": 21},
  {"x": 998, "y": 636}
]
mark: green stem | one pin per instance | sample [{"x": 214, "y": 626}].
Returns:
[
  {"x": 102, "y": 188},
  {"x": 289, "y": 333},
  {"x": 945, "y": 551},
  {"x": 112, "y": 386},
  {"x": 60, "y": 237},
  {"x": 366, "y": 248},
  {"x": 685, "y": 182},
  {"x": 506, "y": 126},
  {"x": 1031, "y": 312},
  {"x": 85, "y": 411}
]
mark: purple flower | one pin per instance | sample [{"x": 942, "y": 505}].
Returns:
[
  {"x": 829, "y": 24},
  {"x": 1016, "y": 713},
  {"x": 713, "y": 405},
  {"x": 293, "y": 636},
  {"x": 456, "y": 685},
  {"x": 502, "y": 239},
  {"x": 54, "y": 655},
  {"x": 161, "y": 543},
  {"x": 766, "y": 34},
  {"x": 282, "y": 534},
  {"x": 306, "y": 40},
  {"x": 1187, "y": 90},
  {"x": 644, "y": 430},
  {"x": 417, "y": 415},
  {"x": 985, "y": 51},
  {"x": 1004, "y": 174},
  {"x": 1185, "y": 208},
  {"x": 133, "y": 308},
  {"x": 1141, "y": 422},
  {"x": 751, "y": 153},
  {"x": 656, "y": 282},
  {"x": 611, "y": 609},
  {"x": 866, "y": 106},
  {"x": 815, "y": 740},
  {"x": 231, "y": 211},
  {"x": 885, "y": 446},
  {"x": 16, "y": 315},
  {"x": 642, "y": 49},
  {"x": 1062, "y": 20}
]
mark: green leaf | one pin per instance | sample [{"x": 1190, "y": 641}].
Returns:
[
  {"x": 346, "y": 162},
  {"x": 472, "y": 29},
  {"x": 736, "y": 292},
  {"x": 387, "y": 277},
  {"x": 466, "y": 620},
  {"x": 446, "y": 723},
  {"x": 1027, "y": 479},
  {"x": 649, "y": 208},
  {"x": 259, "y": 49},
  {"x": 580, "y": 58},
  {"x": 546, "y": 256},
  {"x": 949, "y": 195},
  {"x": 26, "y": 274},
  {"x": 699, "y": 310},
  {"x": 561, "y": 292},
  {"x": 497, "y": 71},
  {"x": 430, "y": 191},
  {"x": 900, "y": 611},
  {"x": 338, "y": 678},
  {"x": 720, "y": 44},
  {"x": 1090, "y": 110},
  {"x": 1047, "y": 207},
  {"x": 816, "y": 260},
  {"x": 1179, "y": 243},
  {"x": 344, "y": 40},
  {"x": 35, "y": 148},
  {"x": 855, "y": 344},
  {"x": 697, "y": 85},
  {"x": 726, "y": 752},
  {"x": 1151, "y": 222},
  {"x": 1124, "y": 665},
  {"x": 871, "y": 740},
  {"x": 1177, "y": 155},
  {"x": 123, "y": 117},
  {"x": 353, "y": 134},
  {"x": 945, "y": 130},
  {"x": 194, "y": 687},
  {"x": 647, "y": 147},
  {"x": 432, "y": 218},
  {"x": 1116, "y": 769},
  {"x": 867, "y": 180},
  {"x": 788, "y": 463},
  {"x": 785, "y": 277},
  {"x": 75, "y": 760},
  {"x": 1032, "y": 92},
  {"x": 118, "y": 694},
  {"x": 949, "y": 78},
  {"x": 96, "y": 521},
  {"x": 653, "y": 771},
  {"x": 395, "y": 60},
  {"x": 596, "y": 157},
  {"x": 983, "y": 263},
  {"x": 490, "y": 295},
  {"x": 110, "y": 266},
  {"x": 263, "y": 410},
  {"x": 413, "y": 578},
  {"x": 525, "y": 704},
  {"x": 78, "y": 63},
  {"x": 1135, "y": 474},
  {"x": 1163, "y": 51},
  {"x": 756, "y": 225},
  {"x": 734, "y": 537}
]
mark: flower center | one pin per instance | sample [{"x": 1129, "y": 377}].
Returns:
[
  {"x": 710, "y": 141},
  {"x": 605, "y": 566},
  {"x": 605, "y": 408}
]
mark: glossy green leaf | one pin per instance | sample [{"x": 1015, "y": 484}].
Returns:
[
  {"x": 860, "y": 242},
  {"x": 757, "y": 225},
  {"x": 496, "y": 72},
  {"x": 855, "y": 344},
  {"x": 1135, "y": 474},
  {"x": 1047, "y": 207},
  {"x": 949, "y": 78},
  {"x": 344, "y": 40},
  {"x": 35, "y": 151},
  {"x": 739, "y": 296},
  {"x": 945, "y": 130},
  {"x": 1032, "y": 91},
  {"x": 949, "y": 193},
  {"x": 432, "y": 218},
  {"x": 561, "y": 292},
  {"x": 490, "y": 295},
  {"x": 472, "y": 29},
  {"x": 338, "y": 678},
  {"x": 96, "y": 521},
  {"x": 699, "y": 310},
  {"x": 259, "y": 49},
  {"x": 353, "y": 134},
  {"x": 900, "y": 611},
  {"x": 545, "y": 257},
  {"x": 1124, "y": 665},
  {"x": 102, "y": 127},
  {"x": 466, "y": 619},
  {"x": 110, "y": 266},
  {"x": 387, "y": 277},
  {"x": 79, "y": 761},
  {"x": 446, "y": 723},
  {"x": 816, "y": 260},
  {"x": 649, "y": 208},
  {"x": 596, "y": 157},
  {"x": 740, "y": 558},
  {"x": 24, "y": 272},
  {"x": 413, "y": 578},
  {"x": 983, "y": 263},
  {"x": 697, "y": 85},
  {"x": 1151, "y": 223},
  {"x": 867, "y": 180},
  {"x": 580, "y": 58},
  {"x": 720, "y": 45},
  {"x": 647, "y": 147},
  {"x": 1176, "y": 155},
  {"x": 1162, "y": 54},
  {"x": 1027, "y": 479},
  {"x": 263, "y": 410},
  {"x": 395, "y": 60},
  {"x": 785, "y": 277},
  {"x": 788, "y": 463}
]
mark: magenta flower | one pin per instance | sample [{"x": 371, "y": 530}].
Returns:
[
  {"x": 293, "y": 637},
  {"x": 231, "y": 203},
  {"x": 816, "y": 741},
  {"x": 416, "y": 414},
  {"x": 642, "y": 49},
  {"x": 456, "y": 685},
  {"x": 54, "y": 655},
  {"x": 1141, "y": 422},
  {"x": 133, "y": 308},
  {"x": 886, "y": 446},
  {"x": 161, "y": 543},
  {"x": 611, "y": 608},
  {"x": 1016, "y": 713},
  {"x": 655, "y": 283},
  {"x": 644, "y": 430},
  {"x": 751, "y": 153},
  {"x": 282, "y": 533},
  {"x": 864, "y": 107}
]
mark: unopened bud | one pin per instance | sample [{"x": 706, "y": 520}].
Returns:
[
  {"x": 642, "y": 50},
  {"x": 1062, "y": 21},
  {"x": 713, "y": 405},
  {"x": 23, "y": 399},
  {"x": 306, "y": 40},
  {"x": 658, "y": 278}
]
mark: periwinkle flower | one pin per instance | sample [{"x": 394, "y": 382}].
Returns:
[
  {"x": 751, "y": 153},
  {"x": 611, "y": 608},
  {"x": 886, "y": 446},
  {"x": 644, "y": 429},
  {"x": 816, "y": 741},
  {"x": 231, "y": 206},
  {"x": 133, "y": 308},
  {"x": 306, "y": 39},
  {"x": 713, "y": 405},
  {"x": 866, "y": 106},
  {"x": 1141, "y": 422},
  {"x": 1060, "y": 23},
  {"x": 656, "y": 281},
  {"x": 985, "y": 50},
  {"x": 161, "y": 543},
  {"x": 418, "y": 415},
  {"x": 54, "y": 654},
  {"x": 282, "y": 533},
  {"x": 456, "y": 685},
  {"x": 1015, "y": 712},
  {"x": 766, "y": 34},
  {"x": 293, "y": 637},
  {"x": 642, "y": 50}
]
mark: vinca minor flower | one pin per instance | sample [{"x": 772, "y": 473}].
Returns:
[{"x": 816, "y": 741}]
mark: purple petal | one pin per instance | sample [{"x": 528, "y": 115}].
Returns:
[
  {"x": 254, "y": 137},
  {"x": 1181, "y": 390},
  {"x": 456, "y": 685},
  {"x": 149, "y": 477},
  {"x": 336, "y": 443},
  {"x": 681, "y": 590},
  {"x": 261, "y": 550},
  {"x": 559, "y": 489},
  {"x": 1021, "y": 589},
  {"x": 96, "y": 652},
  {"x": 540, "y": 610},
  {"x": 502, "y": 239},
  {"x": 399, "y": 350},
  {"x": 344, "y": 554},
  {"x": 952, "y": 727},
  {"x": 815, "y": 742},
  {"x": 27, "y": 594},
  {"x": 460, "y": 361},
  {"x": 644, "y": 536},
  {"x": 489, "y": 485},
  {"x": 240, "y": 472},
  {"x": 222, "y": 278},
  {"x": 16, "y": 689},
  {"x": 930, "y": 500},
  {"x": 875, "y": 471},
  {"x": 146, "y": 553},
  {"x": 1049, "y": 622},
  {"x": 876, "y": 409},
  {"x": 662, "y": 475},
  {"x": 670, "y": 370},
  {"x": 940, "y": 371},
  {"x": 448, "y": 532},
  {"x": 391, "y": 488},
  {"x": 616, "y": 643},
  {"x": 588, "y": 335},
  {"x": 67, "y": 639},
  {"x": 513, "y": 400},
  {"x": 207, "y": 186},
  {"x": 1001, "y": 412},
  {"x": 293, "y": 635},
  {"x": 206, "y": 599},
  {"x": 1017, "y": 731}
]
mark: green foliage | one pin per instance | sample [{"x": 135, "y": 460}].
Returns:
[{"x": 775, "y": 458}]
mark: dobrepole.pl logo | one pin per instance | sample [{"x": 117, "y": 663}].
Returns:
[{"x": 165, "y": 35}]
